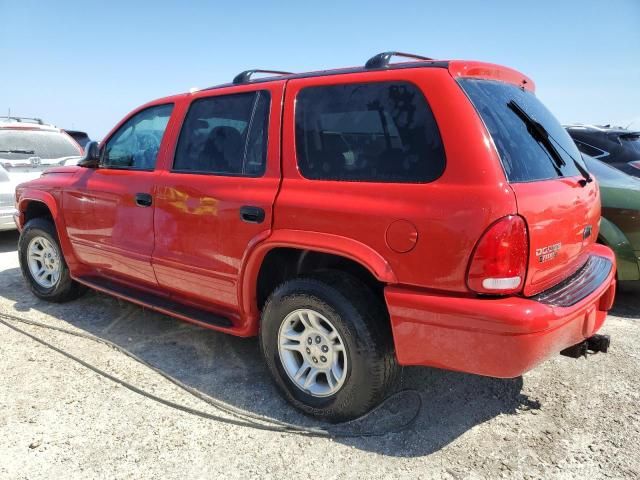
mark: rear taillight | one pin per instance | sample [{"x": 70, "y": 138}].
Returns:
[
  {"x": 499, "y": 262},
  {"x": 635, "y": 164}
]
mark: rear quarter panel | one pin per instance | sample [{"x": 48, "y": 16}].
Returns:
[{"x": 449, "y": 214}]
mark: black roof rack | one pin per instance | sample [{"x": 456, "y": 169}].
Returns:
[
  {"x": 244, "y": 77},
  {"x": 381, "y": 60},
  {"x": 22, "y": 119}
]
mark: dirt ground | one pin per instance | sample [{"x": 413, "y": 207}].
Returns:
[{"x": 566, "y": 419}]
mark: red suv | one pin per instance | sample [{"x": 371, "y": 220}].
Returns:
[{"x": 416, "y": 213}]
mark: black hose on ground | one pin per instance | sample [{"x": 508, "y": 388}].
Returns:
[{"x": 243, "y": 418}]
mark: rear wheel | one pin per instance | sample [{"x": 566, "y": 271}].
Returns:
[
  {"x": 327, "y": 343},
  {"x": 43, "y": 265}
]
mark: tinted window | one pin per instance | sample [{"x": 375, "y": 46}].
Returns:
[
  {"x": 23, "y": 144},
  {"x": 225, "y": 135},
  {"x": 631, "y": 141},
  {"x": 607, "y": 175},
  {"x": 136, "y": 143},
  {"x": 589, "y": 149},
  {"x": 524, "y": 158},
  {"x": 376, "y": 132},
  {"x": 81, "y": 137}
]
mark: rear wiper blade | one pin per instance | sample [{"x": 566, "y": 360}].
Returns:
[
  {"x": 537, "y": 130},
  {"x": 26, "y": 152}
]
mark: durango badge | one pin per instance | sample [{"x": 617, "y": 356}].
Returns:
[{"x": 545, "y": 254}]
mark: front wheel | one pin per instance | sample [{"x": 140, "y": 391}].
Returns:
[
  {"x": 43, "y": 265},
  {"x": 327, "y": 343}
]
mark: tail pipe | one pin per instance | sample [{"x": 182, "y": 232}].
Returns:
[{"x": 594, "y": 344}]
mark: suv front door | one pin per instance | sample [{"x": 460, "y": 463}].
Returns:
[
  {"x": 109, "y": 210},
  {"x": 217, "y": 197}
]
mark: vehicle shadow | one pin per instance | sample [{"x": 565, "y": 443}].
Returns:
[
  {"x": 8, "y": 241},
  {"x": 627, "y": 302},
  {"x": 230, "y": 369}
]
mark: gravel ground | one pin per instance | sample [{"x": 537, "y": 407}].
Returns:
[{"x": 566, "y": 419}]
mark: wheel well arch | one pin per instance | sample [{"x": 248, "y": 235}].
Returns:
[
  {"x": 35, "y": 209},
  {"x": 283, "y": 263}
]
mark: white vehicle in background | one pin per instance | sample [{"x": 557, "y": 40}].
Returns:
[
  {"x": 7, "y": 193},
  {"x": 28, "y": 147}
]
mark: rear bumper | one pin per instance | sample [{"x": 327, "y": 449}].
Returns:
[
  {"x": 497, "y": 337},
  {"x": 6, "y": 219}
]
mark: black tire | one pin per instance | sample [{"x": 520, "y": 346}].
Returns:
[
  {"x": 66, "y": 288},
  {"x": 363, "y": 323}
]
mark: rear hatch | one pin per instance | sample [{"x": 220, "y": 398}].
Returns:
[
  {"x": 545, "y": 170},
  {"x": 6, "y": 191},
  {"x": 27, "y": 152}
]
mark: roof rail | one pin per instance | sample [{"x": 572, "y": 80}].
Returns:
[
  {"x": 244, "y": 77},
  {"x": 381, "y": 60},
  {"x": 22, "y": 119}
]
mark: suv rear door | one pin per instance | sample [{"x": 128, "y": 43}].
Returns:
[
  {"x": 216, "y": 197},
  {"x": 560, "y": 207}
]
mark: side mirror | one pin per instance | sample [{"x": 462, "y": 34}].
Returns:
[{"x": 91, "y": 157}]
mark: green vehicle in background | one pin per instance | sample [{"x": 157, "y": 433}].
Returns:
[{"x": 620, "y": 223}]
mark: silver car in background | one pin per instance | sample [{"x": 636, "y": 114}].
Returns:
[
  {"x": 7, "y": 193},
  {"x": 29, "y": 146}
]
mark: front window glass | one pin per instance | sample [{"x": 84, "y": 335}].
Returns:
[
  {"x": 523, "y": 157},
  {"x": 136, "y": 144}
]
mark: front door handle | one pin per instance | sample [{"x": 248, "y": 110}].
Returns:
[
  {"x": 252, "y": 214},
  {"x": 143, "y": 199}
]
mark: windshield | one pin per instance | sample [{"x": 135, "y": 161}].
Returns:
[
  {"x": 607, "y": 175},
  {"x": 4, "y": 176},
  {"x": 24, "y": 144},
  {"x": 525, "y": 156}
]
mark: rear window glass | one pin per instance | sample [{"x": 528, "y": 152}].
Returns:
[
  {"x": 631, "y": 141},
  {"x": 369, "y": 132},
  {"x": 524, "y": 158},
  {"x": 24, "y": 144}
]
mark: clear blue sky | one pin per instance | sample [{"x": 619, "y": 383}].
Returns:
[{"x": 86, "y": 64}]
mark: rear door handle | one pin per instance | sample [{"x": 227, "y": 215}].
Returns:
[
  {"x": 144, "y": 199},
  {"x": 251, "y": 214}
]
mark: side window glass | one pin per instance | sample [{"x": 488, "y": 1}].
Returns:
[
  {"x": 367, "y": 132},
  {"x": 136, "y": 144},
  {"x": 225, "y": 135}
]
